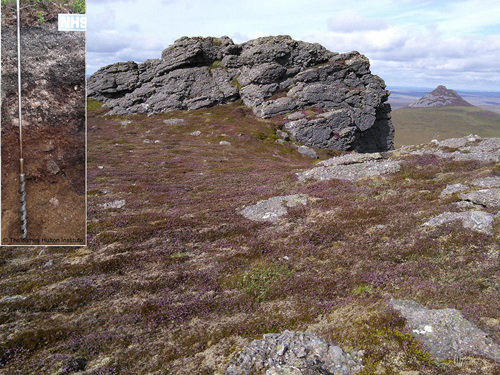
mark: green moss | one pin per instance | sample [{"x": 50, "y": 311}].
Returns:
[
  {"x": 79, "y": 6},
  {"x": 92, "y": 104},
  {"x": 217, "y": 64},
  {"x": 236, "y": 83},
  {"x": 40, "y": 17},
  {"x": 362, "y": 289},
  {"x": 412, "y": 348},
  {"x": 260, "y": 280},
  {"x": 216, "y": 42}
]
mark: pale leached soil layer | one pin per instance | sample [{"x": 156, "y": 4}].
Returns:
[{"x": 176, "y": 282}]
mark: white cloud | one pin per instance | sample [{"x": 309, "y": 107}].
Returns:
[
  {"x": 406, "y": 40},
  {"x": 100, "y": 2},
  {"x": 401, "y": 53},
  {"x": 349, "y": 20}
]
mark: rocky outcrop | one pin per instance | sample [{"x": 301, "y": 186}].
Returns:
[
  {"x": 471, "y": 147},
  {"x": 440, "y": 97},
  {"x": 487, "y": 197},
  {"x": 329, "y": 100}
]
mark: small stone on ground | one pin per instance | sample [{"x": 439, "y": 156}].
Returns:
[
  {"x": 307, "y": 151},
  {"x": 114, "y": 204},
  {"x": 173, "y": 121}
]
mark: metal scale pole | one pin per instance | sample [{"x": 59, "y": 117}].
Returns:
[{"x": 22, "y": 177}]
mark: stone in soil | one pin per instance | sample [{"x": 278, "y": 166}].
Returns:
[
  {"x": 114, "y": 204},
  {"x": 306, "y": 151}
]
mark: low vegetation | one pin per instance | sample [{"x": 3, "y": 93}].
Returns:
[
  {"x": 176, "y": 281},
  {"x": 420, "y": 125},
  {"x": 39, "y": 11}
]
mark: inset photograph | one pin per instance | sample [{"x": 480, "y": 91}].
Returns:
[{"x": 43, "y": 127}]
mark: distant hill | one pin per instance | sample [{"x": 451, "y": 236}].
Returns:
[
  {"x": 441, "y": 97},
  {"x": 403, "y": 96},
  {"x": 421, "y": 125}
]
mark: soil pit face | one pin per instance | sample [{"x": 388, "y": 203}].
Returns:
[{"x": 53, "y": 123}]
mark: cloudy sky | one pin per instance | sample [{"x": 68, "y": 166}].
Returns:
[{"x": 410, "y": 43}]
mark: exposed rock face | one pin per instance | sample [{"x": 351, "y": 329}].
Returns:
[
  {"x": 471, "y": 147},
  {"x": 339, "y": 103},
  {"x": 441, "y": 97}
]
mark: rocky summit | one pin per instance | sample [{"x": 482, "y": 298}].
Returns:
[
  {"x": 327, "y": 99},
  {"x": 441, "y": 97}
]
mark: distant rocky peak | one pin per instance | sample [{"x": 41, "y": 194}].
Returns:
[{"x": 441, "y": 97}]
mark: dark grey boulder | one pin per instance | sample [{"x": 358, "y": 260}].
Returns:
[{"x": 345, "y": 104}]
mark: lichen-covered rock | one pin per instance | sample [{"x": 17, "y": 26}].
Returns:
[
  {"x": 274, "y": 208},
  {"x": 272, "y": 75},
  {"x": 452, "y": 189},
  {"x": 350, "y": 167},
  {"x": 487, "y": 182},
  {"x": 477, "y": 221},
  {"x": 445, "y": 333},
  {"x": 484, "y": 197}
]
